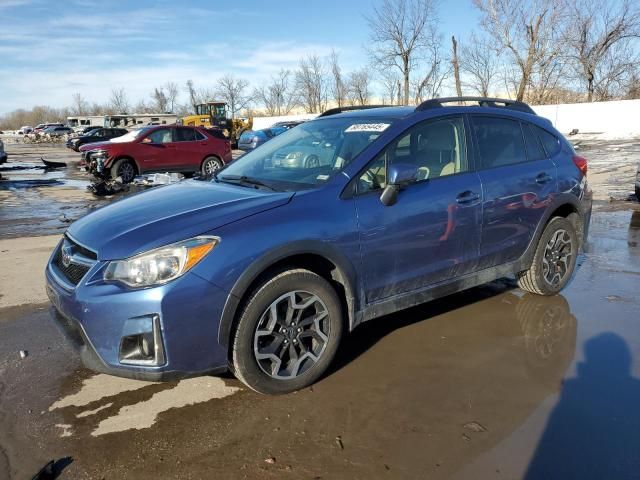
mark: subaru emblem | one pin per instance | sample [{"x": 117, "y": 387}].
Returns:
[{"x": 66, "y": 255}]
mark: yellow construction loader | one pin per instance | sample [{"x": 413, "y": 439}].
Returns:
[{"x": 215, "y": 114}]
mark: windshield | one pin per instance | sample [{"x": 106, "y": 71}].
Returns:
[
  {"x": 129, "y": 137},
  {"x": 308, "y": 155}
]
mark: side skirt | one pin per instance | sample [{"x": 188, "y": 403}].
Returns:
[{"x": 439, "y": 290}]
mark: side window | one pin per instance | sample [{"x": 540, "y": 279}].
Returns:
[
  {"x": 185, "y": 135},
  {"x": 500, "y": 141},
  {"x": 534, "y": 149},
  {"x": 199, "y": 137},
  {"x": 550, "y": 141},
  {"x": 162, "y": 135},
  {"x": 436, "y": 148}
]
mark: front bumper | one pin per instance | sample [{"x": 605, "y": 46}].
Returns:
[{"x": 95, "y": 316}]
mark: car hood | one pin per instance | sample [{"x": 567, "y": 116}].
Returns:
[
  {"x": 96, "y": 145},
  {"x": 169, "y": 214}
]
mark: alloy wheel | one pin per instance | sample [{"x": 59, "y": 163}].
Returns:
[
  {"x": 211, "y": 166},
  {"x": 557, "y": 257},
  {"x": 291, "y": 335},
  {"x": 126, "y": 172}
]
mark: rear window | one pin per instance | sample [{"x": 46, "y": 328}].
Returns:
[
  {"x": 534, "y": 149},
  {"x": 500, "y": 141},
  {"x": 551, "y": 142},
  {"x": 185, "y": 135},
  {"x": 217, "y": 133}
]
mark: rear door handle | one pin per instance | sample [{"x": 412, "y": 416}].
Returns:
[
  {"x": 467, "y": 197},
  {"x": 543, "y": 178}
]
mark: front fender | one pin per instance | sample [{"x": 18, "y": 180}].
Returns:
[{"x": 345, "y": 273}]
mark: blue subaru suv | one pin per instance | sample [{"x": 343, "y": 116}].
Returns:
[{"x": 362, "y": 212}]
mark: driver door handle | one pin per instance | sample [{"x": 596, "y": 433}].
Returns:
[
  {"x": 543, "y": 178},
  {"x": 468, "y": 197}
]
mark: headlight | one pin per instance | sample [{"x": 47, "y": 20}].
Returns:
[
  {"x": 99, "y": 154},
  {"x": 161, "y": 265}
]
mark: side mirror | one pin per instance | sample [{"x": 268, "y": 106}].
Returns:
[{"x": 400, "y": 175}]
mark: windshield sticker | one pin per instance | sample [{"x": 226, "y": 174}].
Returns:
[
  {"x": 368, "y": 127},
  {"x": 322, "y": 178}
]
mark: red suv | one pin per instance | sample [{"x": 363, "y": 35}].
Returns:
[{"x": 165, "y": 148}]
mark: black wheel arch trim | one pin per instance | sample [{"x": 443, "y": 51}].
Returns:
[
  {"x": 560, "y": 200},
  {"x": 345, "y": 271}
]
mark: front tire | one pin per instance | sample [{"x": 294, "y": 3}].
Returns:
[
  {"x": 125, "y": 169},
  {"x": 288, "y": 333},
  {"x": 210, "y": 165},
  {"x": 554, "y": 261}
]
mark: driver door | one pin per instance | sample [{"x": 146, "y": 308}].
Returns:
[
  {"x": 157, "y": 151},
  {"x": 432, "y": 233}
]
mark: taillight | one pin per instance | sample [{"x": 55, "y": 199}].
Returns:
[{"x": 581, "y": 163}]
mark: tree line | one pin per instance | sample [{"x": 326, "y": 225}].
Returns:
[{"x": 539, "y": 51}]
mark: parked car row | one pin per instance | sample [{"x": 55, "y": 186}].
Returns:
[
  {"x": 93, "y": 135},
  {"x": 252, "y": 139}
]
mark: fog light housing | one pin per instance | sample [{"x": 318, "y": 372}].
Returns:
[{"x": 142, "y": 345}]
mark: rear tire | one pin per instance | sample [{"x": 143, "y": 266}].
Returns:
[
  {"x": 554, "y": 261},
  {"x": 125, "y": 169},
  {"x": 210, "y": 165},
  {"x": 288, "y": 333}
]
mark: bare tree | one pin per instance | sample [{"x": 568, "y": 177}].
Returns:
[
  {"x": 546, "y": 84},
  {"x": 633, "y": 87},
  {"x": 233, "y": 91},
  {"x": 144, "y": 107},
  {"x": 191, "y": 90},
  {"x": 172, "y": 95},
  {"x": 119, "y": 102},
  {"x": 598, "y": 35},
  {"x": 80, "y": 106},
  {"x": 198, "y": 95},
  {"x": 338, "y": 85},
  {"x": 390, "y": 87},
  {"x": 358, "y": 87},
  {"x": 527, "y": 29},
  {"x": 455, "y": 64},
  {"x": 436, "y": 70},
  {"x": 400, "y": 31},
  {"x": 479, "y": 65},
  {"x": 311, "y": 84},
  {"x": 159, "y": 99},
  {"x": 278, "y": 97}
]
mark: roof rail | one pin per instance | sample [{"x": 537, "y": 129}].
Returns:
[
  {"x": 482, "y": 102},
  {"x": 334, "y": 111}
]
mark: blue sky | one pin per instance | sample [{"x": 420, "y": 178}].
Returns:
[{"x": 50, "y": 50}]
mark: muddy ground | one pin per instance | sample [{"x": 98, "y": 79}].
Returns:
[{"x": 488, "y": 383}]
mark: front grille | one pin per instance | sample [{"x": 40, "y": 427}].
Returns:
[{"x": 74, "y": 271}]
